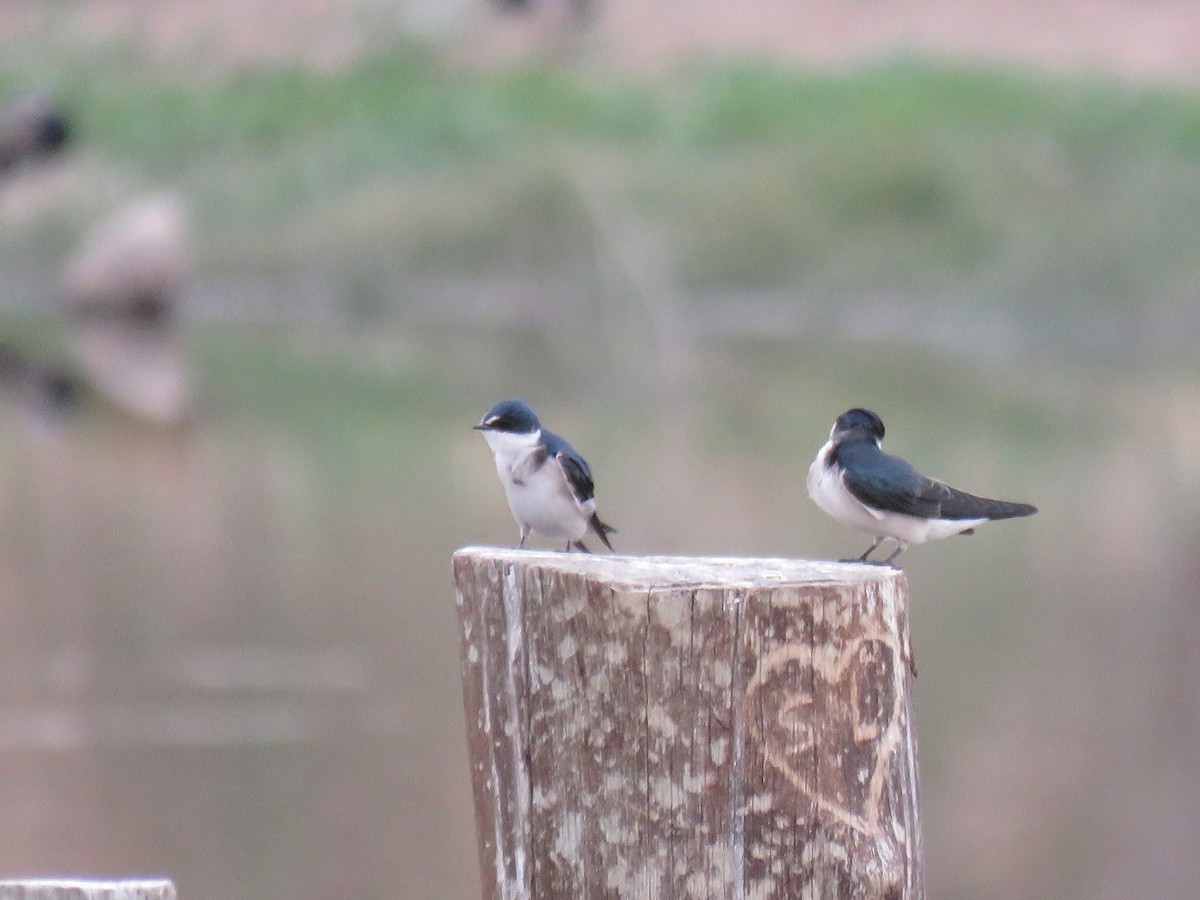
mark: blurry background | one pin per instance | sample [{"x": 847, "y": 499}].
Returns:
[{"x": 291, "y": 251}]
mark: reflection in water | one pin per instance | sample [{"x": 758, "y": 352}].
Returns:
[
  {"x": 230, "y": 655},
  {"x": 192, "y": 683},
  {"x": 122, "y": 287}
]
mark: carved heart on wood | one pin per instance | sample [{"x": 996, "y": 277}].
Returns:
[{"x": 830, "y": 722}]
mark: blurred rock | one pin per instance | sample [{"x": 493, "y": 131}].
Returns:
[
  {"x": 132, "y": 266},
  {"x": 122, "y": 290}
]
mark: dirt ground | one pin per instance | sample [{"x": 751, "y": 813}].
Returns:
[{"x": 1147, "y": 39}]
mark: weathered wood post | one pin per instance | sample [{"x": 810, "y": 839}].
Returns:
[
  {"x": 689, "y": 728},
  {"x": 86, "y": 889}
]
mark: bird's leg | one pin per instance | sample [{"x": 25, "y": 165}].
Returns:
[
  {"x": 866, "y": 553},
  {"x": 901, "y": 546},
  {"x": 524, "y": 535},
  {"x": 871, "y": 549}
]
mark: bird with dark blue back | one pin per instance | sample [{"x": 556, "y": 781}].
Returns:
[
  {"x": 548, "y": 484},
  {"x": 854, "y": 481}
]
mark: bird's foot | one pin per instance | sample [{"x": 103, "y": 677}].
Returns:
[{"x": 887, "y": 563}]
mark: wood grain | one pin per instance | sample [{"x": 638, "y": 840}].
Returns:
[{"x": 689, "y": 728}]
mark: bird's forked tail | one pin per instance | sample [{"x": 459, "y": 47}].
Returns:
[{"x": 602, "y": 530}]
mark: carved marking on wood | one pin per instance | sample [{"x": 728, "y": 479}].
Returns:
[{"x": 794, "y": 681}]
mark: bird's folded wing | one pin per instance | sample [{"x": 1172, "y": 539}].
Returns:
[
  {"x": 888, "y": 483},
  {"x": 956, "y": 504},
  {"x": 579, "y": 476}
]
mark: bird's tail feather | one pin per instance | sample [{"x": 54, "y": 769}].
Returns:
[
  {"x": 967, "y": 506},
  {"x": 602, "y": 530},
  {"x": 1005, "y": 509}
]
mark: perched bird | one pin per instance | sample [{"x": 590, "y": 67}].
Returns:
[
  {"x": 858, "y": 484},
  {"x": 549, "y": 485}
]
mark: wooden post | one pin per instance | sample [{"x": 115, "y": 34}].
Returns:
[
  {"x": 689, "y": 728},
  {"x": 78, "y": 889}
]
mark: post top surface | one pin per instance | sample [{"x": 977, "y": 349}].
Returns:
[
  {"x": 88, "y": 883},
  {"x": 689, "y": 571},
  {"x": 50, "y": 888}
]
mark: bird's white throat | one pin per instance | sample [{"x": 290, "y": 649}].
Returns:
[{"x": 510, "y": 448}]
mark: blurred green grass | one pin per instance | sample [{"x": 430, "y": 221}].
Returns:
[{"x": 1042, "y": 197}]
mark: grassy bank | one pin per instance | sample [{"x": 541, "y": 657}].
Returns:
[{"x": 1067, "y": 206}]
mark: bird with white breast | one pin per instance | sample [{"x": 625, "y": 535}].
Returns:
[
  {"x": 548, "y": 484},
  {"x": 854, "y": 481}
]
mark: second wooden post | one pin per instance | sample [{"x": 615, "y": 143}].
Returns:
[{"x": 689, "y": 728}]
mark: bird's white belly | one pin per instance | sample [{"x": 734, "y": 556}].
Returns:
[
  {"x": 829, "y": 492},
  {"x": 914, "y": 530},
  {"x": 543, "y": 501}
]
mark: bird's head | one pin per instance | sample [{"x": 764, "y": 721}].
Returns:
[
  {"x": 510, "y": 416},
  {"x": 856, "y": 422}
]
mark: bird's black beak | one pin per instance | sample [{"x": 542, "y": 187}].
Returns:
[{"x": 481, "y": 427}]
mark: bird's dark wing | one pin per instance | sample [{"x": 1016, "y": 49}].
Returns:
[
  {"x": 956, "y": 504},
  {"x": 884, "y": 482},
  {"x": 574, "y": 466},
  {"x": 889, "y": 483}
]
